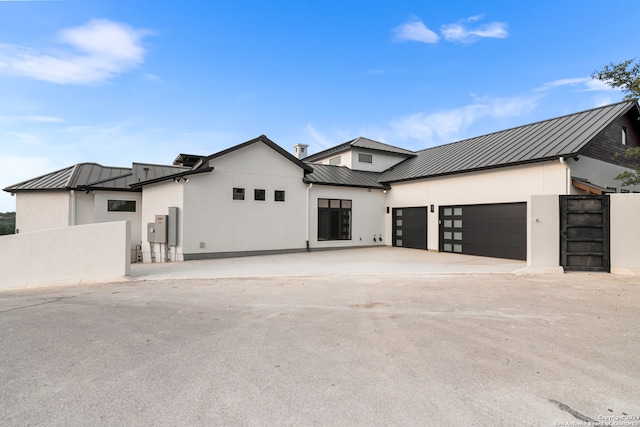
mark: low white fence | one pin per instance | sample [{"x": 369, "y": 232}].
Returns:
[{"x": 68, "y": 255}]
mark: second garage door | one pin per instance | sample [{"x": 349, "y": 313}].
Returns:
[
  {"x": 492, "y": 230},
  {"x": 410, "y": 227}
]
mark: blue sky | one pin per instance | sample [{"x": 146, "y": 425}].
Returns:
[{"x": 116, "y": 82}]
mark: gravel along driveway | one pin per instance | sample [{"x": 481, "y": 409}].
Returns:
[{"x": 351, "y": 350}]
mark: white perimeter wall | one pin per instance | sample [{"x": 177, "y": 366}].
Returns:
[
  {"x": 625, "y": 233},
  {"x": 504, "y": 185},
  {"x": 41, "y": 210},
  {"x": 81, "y": 254},
  {"x": 367, "y": 216},
  {"x": 222, "y": 225},
  {"x": 101, "y": 214}
]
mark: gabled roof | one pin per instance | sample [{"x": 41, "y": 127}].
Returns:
[
  {"x": 264, "y": 140},
  {"x": 343, "y": 176},
  {"x": 361, "y": 143},
  {"x": 563, "y": 136}
]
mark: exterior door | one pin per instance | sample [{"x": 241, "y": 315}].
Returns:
[
  {"x": 493, "y": 230},
  {"x": 410, "y": 227},
  {"x": 584, "y": 233}
]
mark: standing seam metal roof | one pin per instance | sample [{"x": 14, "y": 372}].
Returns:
[
  {"x": 549, "y": 139},
  {"x": 360, "y": 142},
  {"x": 343, "y": 176}
]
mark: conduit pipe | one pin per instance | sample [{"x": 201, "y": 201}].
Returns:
[
  {"x": 308, "y": 211},
  {"x": 567, "y": 176}
]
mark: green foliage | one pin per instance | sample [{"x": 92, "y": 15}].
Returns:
[
  {"x": 624, "y": 76},
  {"x": 7, "y": 223}
]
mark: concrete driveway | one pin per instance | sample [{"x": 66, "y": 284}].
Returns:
[
  {"x": 377, "y": 260},
  {"x": 355, "y": 340}
]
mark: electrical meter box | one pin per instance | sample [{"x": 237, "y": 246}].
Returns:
[
  {"x": 161, "y": 228},
  {"x": 151, "y": 232}
]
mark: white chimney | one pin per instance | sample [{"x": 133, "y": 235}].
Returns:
[{"x": 300, "y": 151}]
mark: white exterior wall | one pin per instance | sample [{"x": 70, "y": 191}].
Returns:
[
  {"x": 543, "y": 231},
  {"x": 214, "y": 220},
  {"x": 85, "y": 208},
  {"x": 381, "y": 161},
  {"x": 625, "y": 233},
  {"x": 156, "y": 200},
  {"x": 345, "y": 159},
  {"x": 101, "y": 214},
  {"x": 41, "y": 210},
  {"x": 367, "y": 216},
  {"x": 503, "y": 185},
  {"x": 81, "y": 254},
  {"x": 598, "y": 172}
]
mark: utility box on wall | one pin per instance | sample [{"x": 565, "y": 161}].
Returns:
[{"x": 157, "y": 231}]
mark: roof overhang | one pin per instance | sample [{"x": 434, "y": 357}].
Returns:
[
  {"x": 175, "y": 177},
  {"x": 589, "y": 187}
]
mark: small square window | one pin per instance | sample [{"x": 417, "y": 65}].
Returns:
[
  {"x": 278, "y": 196},
  {"x": 365, "y": 158},
  {"x": 238, "y": 194},
  {"x": 259, "y": 194}
]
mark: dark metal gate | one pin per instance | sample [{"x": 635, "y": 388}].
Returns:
[{"x": 584, "y": 233}]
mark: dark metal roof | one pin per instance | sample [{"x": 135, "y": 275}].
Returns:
[
  {"x": 343, "y": 176},
  {"x": 361, "y": 143},
  {"x": 264, "y": 140},
  {"x": 187, "y": 159},
  {"x": 545, "y": 140},
  {"x": 72, "y": 177}
]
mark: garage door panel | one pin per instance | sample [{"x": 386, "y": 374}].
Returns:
[
  {"x": 410, "y": 227},
  {"x": 493, "y": 230}
]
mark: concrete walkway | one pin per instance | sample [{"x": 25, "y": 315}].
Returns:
[{"x": 377, "y": 260}]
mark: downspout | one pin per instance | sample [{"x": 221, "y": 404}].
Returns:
[
  {"x": 567, "y": 176},
  {"x": 308, "y": 213},
  {"x": 72, "y": 208}
]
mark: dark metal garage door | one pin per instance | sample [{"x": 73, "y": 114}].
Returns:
[
  {"x": 493, "y": 230},
  {"x": 410, "y": 227}
]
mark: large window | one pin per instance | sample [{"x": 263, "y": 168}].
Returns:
[
  {"x": 121, "y": 205},
  {"x": 334, "y": 219}
]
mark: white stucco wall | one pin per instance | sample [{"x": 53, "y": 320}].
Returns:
[
  {"x": 85, "y": 208},
  {"x": 503, "y": 185},
  {"x": 81, "y": 254},
  {"x": 543, "y": 231},
  {"x": 367, "y": 216},
  {"x": 213, "y": 220},
  {"x": 36, "y": 211},
  {"x": 156, "y": 200},
  {"x": 101, "y": 214},
  {"x": 598, "y": 172},
  {"x": 625, "y": 233}
]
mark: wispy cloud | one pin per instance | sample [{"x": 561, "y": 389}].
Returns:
[
  {"x": 450, "y": 125},
  {"x": 318, "y": 137},
  {"x": 462, "y": 33},
  {"x": 92, "y": 53},
  {"x": 414, "y": 30},
  {"x": 31, "y": 119},
  {"x": 583, "y": 84}
]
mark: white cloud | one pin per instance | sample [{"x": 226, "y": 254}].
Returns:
[
  {"x": 583, "y": 84},
  {"x": 415, "y": 30},
  {"x": 450, "y": 125},
  {"x": 94, "y": 52},
  {"x": 460, "y": 33},
  {"x": 318, "y": 137},
  {"x": 36, "y": 119}
]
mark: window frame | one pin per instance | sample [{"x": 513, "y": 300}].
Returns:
[
  {"x": 276, "y": 193},
  {"x": 330, "y": 216},
  {"x": 255, "y": 195},
  {"x": 335, "y": 161},
  {"x": 369, "y": 156},
  {"x": 237, "y": 192},
  {"x": 122, "y": 202}
]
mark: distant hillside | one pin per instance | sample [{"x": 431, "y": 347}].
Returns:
[{"x": 7, "y": 223}]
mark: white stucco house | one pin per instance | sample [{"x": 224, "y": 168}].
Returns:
[{"x": 471, "y": 197}]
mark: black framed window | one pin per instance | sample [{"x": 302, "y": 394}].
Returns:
[
  {"x": 121, "y": 205},
  {"x": 278, "y": 196},
  {"x": 259, "y": 194},
  {"x": 238, "y": 193},
  {"x": 334, "y": 219}
]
